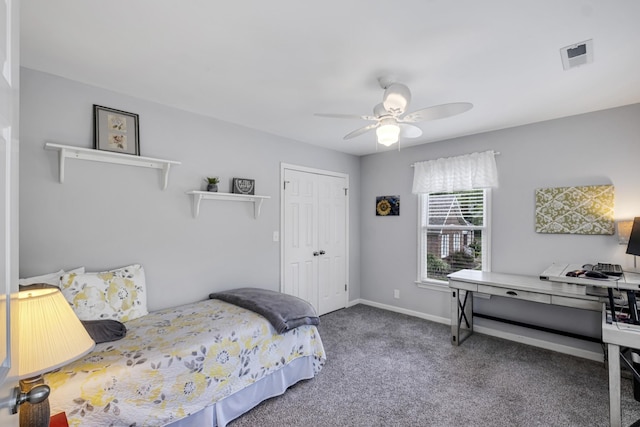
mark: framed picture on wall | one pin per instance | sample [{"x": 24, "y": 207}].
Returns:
[
  {"x": 388, "y": 206},
  {"x": 116, "y": 131}
]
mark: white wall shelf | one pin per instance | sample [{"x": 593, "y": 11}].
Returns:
[
  {"x": 198, "y": 196},
  {"x": 69, "y": 151}
]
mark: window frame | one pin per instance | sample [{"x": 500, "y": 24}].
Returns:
[{"x": 442, "y": 285}]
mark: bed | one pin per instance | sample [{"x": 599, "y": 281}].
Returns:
[{"x": 204, "y": 363}]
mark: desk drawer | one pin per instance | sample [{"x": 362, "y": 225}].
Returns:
[
  {"x": 513, "y": 293},
  {"x": 576, "y": 303},
  {"x": 465, "y": 286}
]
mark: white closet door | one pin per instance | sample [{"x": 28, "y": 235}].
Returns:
[
  {"x": 314, "y": 239},
  {"x": 300, "y": 237},
  {"x": 332, "y": 284}
]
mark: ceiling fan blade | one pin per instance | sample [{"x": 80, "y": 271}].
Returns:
[
  {"x": 410, "y": 131},
  {"x": 436, "y": 112},
  {"x": 360, "y": 131},
  {"x": 345, "y": 116},
  {"x": 396, "y": 99}
]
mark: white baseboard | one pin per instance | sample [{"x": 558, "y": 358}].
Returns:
[
  {"x": 413, "y": 313},
  {"x": 517, "y": 334}
]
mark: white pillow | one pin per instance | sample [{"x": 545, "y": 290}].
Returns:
[
  {"x": 50, "y": 278},
  {"x": 117, "y": 294}
]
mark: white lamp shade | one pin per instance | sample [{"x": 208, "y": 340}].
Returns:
[
  {"x": 624, "y": 231},
  {"x": 50, "y": 334},
  {"x": 388, "y": 133}
]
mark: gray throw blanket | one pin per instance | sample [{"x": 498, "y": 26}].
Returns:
[{"x": 284, "y": 312}]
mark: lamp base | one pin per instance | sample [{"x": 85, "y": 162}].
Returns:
[{"x": 34, "y": 414}]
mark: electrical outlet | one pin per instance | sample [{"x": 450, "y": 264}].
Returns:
[{"x": 396, "y": 293}]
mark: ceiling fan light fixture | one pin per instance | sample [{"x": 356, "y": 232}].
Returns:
[
  {"x": 396, "y": 98},
  {"x": 388, "y": 133},
  {"x": 389, "y": 118}
]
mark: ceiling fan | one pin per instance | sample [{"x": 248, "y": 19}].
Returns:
[{"x": 390, "y": 120}]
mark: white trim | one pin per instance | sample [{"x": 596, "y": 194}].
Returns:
[
  {"x": 400, "y": 310},
  {"x": 283, "y": 167},
  {"x": 488, "y": 231},
  {"x": 486, "y": 238},
  {"x": 307, "y": 169},
  {"x": 511, "y": 336},
  {"x": 434, "y": 285}
]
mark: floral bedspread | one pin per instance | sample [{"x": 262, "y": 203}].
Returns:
[{"x": 173, "y": 363}]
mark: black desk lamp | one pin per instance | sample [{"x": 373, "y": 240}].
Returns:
[{"x": 633, "y": 248}]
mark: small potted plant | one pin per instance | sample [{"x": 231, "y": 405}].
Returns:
[{"x": 212, "y": 183}]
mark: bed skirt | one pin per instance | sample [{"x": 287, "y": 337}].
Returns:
[{"x": 231, "y": 407}]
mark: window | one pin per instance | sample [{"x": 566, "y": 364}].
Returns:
[
  {"x": 454, "y": 233},
  {"x": 444, "y": 246},
  {"x": 456, "y": 242}
]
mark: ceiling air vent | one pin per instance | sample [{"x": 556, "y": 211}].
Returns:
[{"x": 577, "y": 54}]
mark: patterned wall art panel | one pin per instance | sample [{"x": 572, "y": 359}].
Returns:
[{"x": 575, "y": 210}]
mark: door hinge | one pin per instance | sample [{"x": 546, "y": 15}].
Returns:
[
  {"x": 284, "y": 185},
  {"x": 345, "y": 287},
  {"x": 345, "y": 191}
]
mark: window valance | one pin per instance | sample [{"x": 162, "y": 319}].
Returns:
[{"x": 468, "y": 172}]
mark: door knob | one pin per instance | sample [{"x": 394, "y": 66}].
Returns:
[
  {"x": 322, "y": 252},
  {"x": 316, "y": 253}
]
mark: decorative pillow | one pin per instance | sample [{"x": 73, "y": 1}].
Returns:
[
  {"x": 50, "y": 278},
  {"x": 34, "y": 286},
  {"x": 105, "y": 330},
  {"x": 117, "y": 294},
  {"x": 98, "y": 330}
]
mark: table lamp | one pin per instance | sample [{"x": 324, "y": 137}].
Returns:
[
  {"x": 633, "y": 248},
  {"x": 50, "y": 336}
]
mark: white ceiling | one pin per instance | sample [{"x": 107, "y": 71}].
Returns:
[{"x": 270, "y": 65}]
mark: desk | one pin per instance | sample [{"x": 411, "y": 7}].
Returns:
[
  {"x": 617, "y": 335},
  {"x": 464, "y": 283}
]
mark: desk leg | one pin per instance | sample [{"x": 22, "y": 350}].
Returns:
[
  {"x": 615, "y": 416},
  {"x": 455, "y": 324},
  {"x": 461, "y": 315}
]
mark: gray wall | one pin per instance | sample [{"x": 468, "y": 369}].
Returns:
[
  {"x": 597, "y": 148},
  {"x": 106, "y": 216}
]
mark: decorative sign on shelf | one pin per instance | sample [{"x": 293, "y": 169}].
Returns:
[
  {"x": 575, "y": 210},
  {"x": 388, "y": 206},
  {"x": 244, "y": 186}
]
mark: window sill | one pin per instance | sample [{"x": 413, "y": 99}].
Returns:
[{"x": 434, "y": 285}]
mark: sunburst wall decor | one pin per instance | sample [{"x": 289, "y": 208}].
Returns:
[{"x": 388, "y": 206}]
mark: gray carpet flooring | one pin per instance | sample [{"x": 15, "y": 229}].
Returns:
[{"x": 389, "y": 369}]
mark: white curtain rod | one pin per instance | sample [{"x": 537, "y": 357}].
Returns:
[{"x": 497, "y": 153}]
